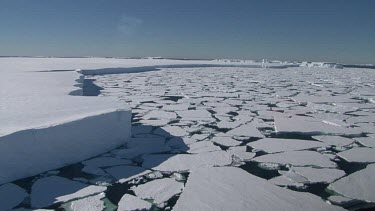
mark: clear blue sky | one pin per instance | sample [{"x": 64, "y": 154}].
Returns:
[{"x": 315, "y": 30}]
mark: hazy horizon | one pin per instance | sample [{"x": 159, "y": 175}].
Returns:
[{"x": 330, "y": 31}]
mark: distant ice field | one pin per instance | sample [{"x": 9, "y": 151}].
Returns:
[{"x": 205, "y": 135}]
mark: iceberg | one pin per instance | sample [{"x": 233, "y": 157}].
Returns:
[{"x": 44, "y": 125}]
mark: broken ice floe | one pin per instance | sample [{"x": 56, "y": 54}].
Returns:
[
  {"x": 213, "y": 188},
  {"x": 359, "y": 155},
  {"x": 272, "y": 145},
  {"x": 186, "y": 162},
  {"x": 129, "y": 203},
  {"x": 297, "y": 158},
  {"x": 160, "y": 190},
  {"x": 126, "y": 173},
  {"x": 359, "y": 185},
  {"x": 54, "y": 189},
  {"x": 319, "y": 175},
  {"x": 91, "y": 203},
  {"x": 11, "y": 195},
  {"x": 311, "y": 126}
]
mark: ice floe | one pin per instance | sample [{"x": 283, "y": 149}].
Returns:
[
  {"x": 126, "y": 173},
  {"x": 54, "y": 189},
  {"x": 186, "y": 162},
  {"x": 311, "y": 126},
  {"x": 359, "y": 155},
  {"x": 160, "y": 190},
  {"x": 129, "y": 203},
  {"x": 213, "y": 188},
  {"x": 246, "y": 130},
  {"x": 319, "y": 175},
  {"x": 11, "y": 195},
  {"x": 359, "y": 185},
  {"x": 272, "y": 145},
  {"x": 91, "y": 203},
  {"x": 334, "y": 140},
  {"x": 297, "y": 158}
]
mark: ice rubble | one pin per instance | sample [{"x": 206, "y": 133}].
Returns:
[
  {"x": 322, "y": 65},
  {"x": 214, "y": 189}
]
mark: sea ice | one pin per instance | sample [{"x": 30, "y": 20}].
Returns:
[
  {"x": 367, "y": 141},
  {"x": 176, "y": 107},
  {"x": 11, "y": 195},
  {"x": 246, "y": 130},
  {"x": 130, "y": 203},
  {"x": 54, "y": 189},
  {"x": 106, "y": 162},
  {"x": 171, "y": 131},
  {"x": 159, "y": 190},
  {"x": 272, "y": 145},
  {"x": 91, "y": 203},
  {"x": 284, "y": 181},
  {"x": 334, "y": 140},
  {"x": 358, "y": 155},
  {"x": 297, "y": 158},
  {"x": 186, "y": 162},
  {"x": 159, "y": 114},
  {"x": 126, "y": 173},
  {"x": 202, "y": 146},
  {"x": 230, "y": 188},
  {"x": 359, "y": 185},
  {"x": 196, "y": 115},
  {"x": 319, "y": 175},
  {"x": 226, "y": 141},
  {"x": 298, "y": 124}
]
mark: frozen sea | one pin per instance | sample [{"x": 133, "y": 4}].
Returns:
[{"x": 205, "y": 135}]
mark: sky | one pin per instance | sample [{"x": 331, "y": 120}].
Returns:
[{"x": 300, "y": 30}]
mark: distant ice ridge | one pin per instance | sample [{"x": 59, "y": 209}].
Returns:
[{"x": 322, "y": 65}]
